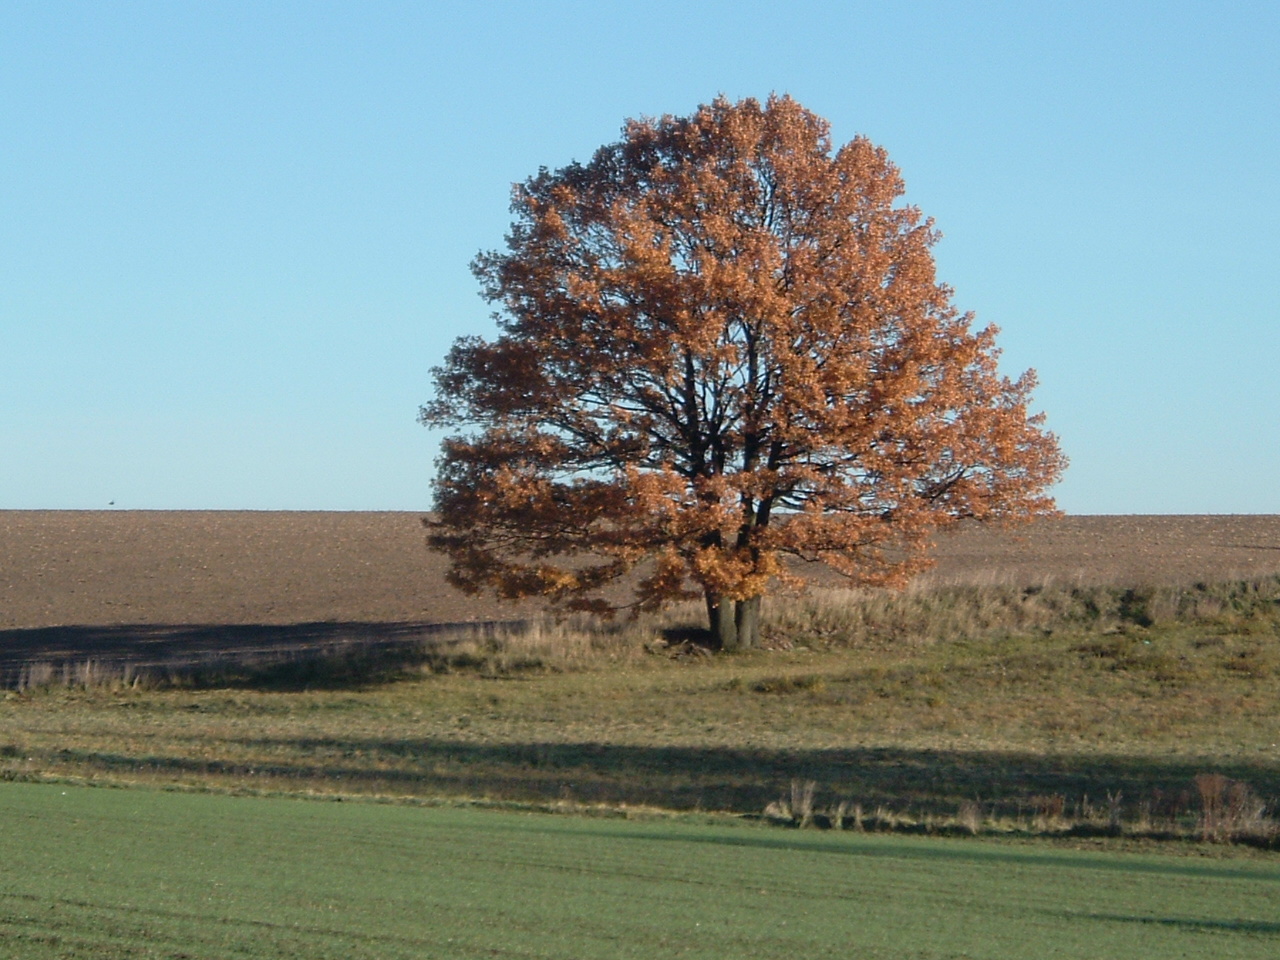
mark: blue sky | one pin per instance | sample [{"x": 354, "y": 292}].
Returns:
[{"x": 235, "y": 237}]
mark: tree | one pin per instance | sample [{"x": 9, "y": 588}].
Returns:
[{"x": 722, "y": 345}]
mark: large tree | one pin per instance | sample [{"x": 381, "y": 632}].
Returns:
[{"x": 722, "y": 344}]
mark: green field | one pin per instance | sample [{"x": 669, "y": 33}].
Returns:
[{"x": 106, "y": 873}]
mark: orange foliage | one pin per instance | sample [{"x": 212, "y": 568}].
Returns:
[{"x": 722, "y": 343}]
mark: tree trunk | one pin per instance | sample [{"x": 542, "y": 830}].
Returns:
[
  {"x": 747, "y": 620},
  {"x": 723, "y": 623}
]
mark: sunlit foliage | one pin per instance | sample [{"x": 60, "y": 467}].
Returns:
[{"x": 722, "y": 344}]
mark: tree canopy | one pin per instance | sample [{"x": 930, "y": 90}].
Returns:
[{"x": 722, "y": 344}]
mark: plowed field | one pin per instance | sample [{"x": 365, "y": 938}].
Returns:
[
  {"x": 177, "y": 567},
  {"x": 76, "y": 584}
]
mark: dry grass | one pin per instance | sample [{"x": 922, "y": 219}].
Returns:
[
  {"x": 927, "y": 611},
  {"x": 974, "y": 703},
  {"x": 1108, "y": 622},
  {"x": 1097, "y": 725}
]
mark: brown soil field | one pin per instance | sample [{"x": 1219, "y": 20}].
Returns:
[
  {"x": 108, "y": 568},
  {"x": 81, "y": 583}
]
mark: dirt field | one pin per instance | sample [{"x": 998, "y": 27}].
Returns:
[
  {"x": 76, "y": 584},
  {"x": 104, "y": 568}
]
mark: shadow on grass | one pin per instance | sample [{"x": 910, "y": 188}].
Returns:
[
  {"x": 867, "y": 846},
  {"x": 887, "y": 783},
  {"x": 1192, "y": 924},
  {"x": 330, "y": 655}
]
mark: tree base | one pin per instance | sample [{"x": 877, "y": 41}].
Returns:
[{"x": 734, "y": 625}]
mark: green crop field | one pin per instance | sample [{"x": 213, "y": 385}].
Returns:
[{"x": 107, "y": 873}]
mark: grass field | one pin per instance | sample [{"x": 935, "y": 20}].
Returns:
[
  {"x": 1042, "y": 711},
  {"x": 1035, "y": 751},
  {"x": 99, "y": 873}
]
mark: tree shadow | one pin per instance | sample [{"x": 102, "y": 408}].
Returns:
[
  {"x": 274, "y": 656},
  {"x": 699, "y": 636},
  {"x": 909, "y": 782},
  {"x": 1192, "y": 924}
]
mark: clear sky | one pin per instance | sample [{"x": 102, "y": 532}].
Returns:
[{"x": 235, "y": 236}]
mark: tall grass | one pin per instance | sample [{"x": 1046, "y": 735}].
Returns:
[
  {"x": 938, "y": 611},
  {"x": 490, "y": 649},
  {"x": 927, "y": 612},
  {"x": 1211, "y": 807}
]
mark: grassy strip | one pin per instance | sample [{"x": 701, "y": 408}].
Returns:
[
  {"x": 115, "y": 874},
  {"x": 1152, "y": 714},
  {"x": 333, "y": 654}
]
